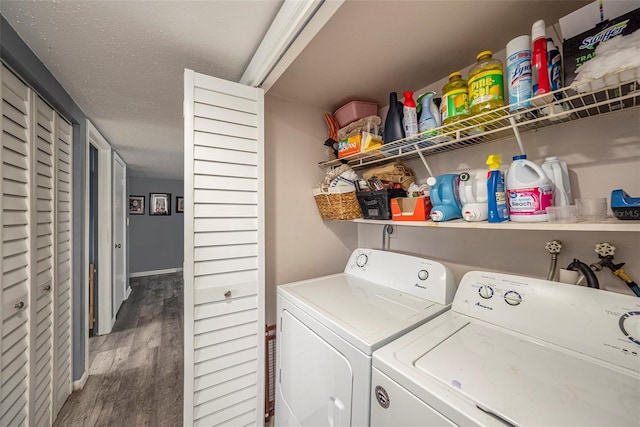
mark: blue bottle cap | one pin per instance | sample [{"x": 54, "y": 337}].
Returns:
[{"x": 520, "y": 157}]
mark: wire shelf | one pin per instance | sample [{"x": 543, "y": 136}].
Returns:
[{"x": 613, "y": 92}]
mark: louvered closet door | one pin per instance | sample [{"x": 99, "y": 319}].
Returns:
[
  {"x": 224, "y": 253},
  {"x": 41, "y": 329},
  {"x": 15, "y": 269},
  {"x": 62, "y": 296}
]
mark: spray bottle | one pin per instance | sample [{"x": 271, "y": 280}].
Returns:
[
  {"x": 428, "y": 120},
  {"x": 497, "y": 198},
  {"x": 410, "y": 120}
]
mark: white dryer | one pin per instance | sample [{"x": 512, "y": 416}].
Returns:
[
  {"x": 515, "y": 351},
  {"x": 328, "y": 328}
]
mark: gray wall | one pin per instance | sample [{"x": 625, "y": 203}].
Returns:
[
  {"x": 156, "y": 242},
  {"x": 17, "y": 55}
]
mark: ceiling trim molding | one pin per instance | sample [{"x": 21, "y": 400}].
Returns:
[
  {"x": 294, "y": 26},
  {"x": 316, "y": 23}
]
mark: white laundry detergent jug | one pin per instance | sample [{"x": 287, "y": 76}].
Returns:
[
  {"x": 558, "y": 173},
  {"x": 529, "y": 191},
  {"x": 473, "y": 195}
]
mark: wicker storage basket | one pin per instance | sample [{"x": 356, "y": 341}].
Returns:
[{"x": 337, "y": 203}]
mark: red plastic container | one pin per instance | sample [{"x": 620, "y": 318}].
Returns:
[{"x": 355, "y": 110}]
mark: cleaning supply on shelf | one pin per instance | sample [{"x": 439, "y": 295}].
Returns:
[
  {"x": 496, "y": 195},
  {"x": 529, "y": 191},
  {"x": 539, "y": 64},
  {"x": 410, "y": 120},
  {"x": 445, "y": 198},
  {"x": 486, "y": 90},
  {"x": 519, "y": 72},
  {"x": 428, "y": 120},
  {"x": 455, "y": 99},
  {"x": 554, "y": 66},
  {"x": 614, "y": 61},
  {"x": 393, "y": 128},
  {"x": 473, "y": 195},
  {"x": 625, "y": 206},
  {"x": 556, "y": 170}
]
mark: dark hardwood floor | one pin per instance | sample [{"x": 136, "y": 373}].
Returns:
[{"x": 136, "y": 372}]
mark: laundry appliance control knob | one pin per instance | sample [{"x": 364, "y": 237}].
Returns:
[
  {"x": 423, "y": 274},
  {"x": 513, "y": 298},
  {"x": 630, "y": 326},
  {"x": 361, "y": 260},
  {"x": 485, "y": 291}
]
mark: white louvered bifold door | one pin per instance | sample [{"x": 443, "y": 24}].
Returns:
[
  {"x": 41, "y": 330},
  {"x": 62, "y": 385},
  {"x": 224, "y": 253},
  {"x": 15, "y": 252}
]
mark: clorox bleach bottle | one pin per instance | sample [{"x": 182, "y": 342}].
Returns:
[
  {"x": 473, "y": 195},
  {"x": 529, "y": 191}
]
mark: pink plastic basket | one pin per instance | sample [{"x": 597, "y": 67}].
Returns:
[{"x": 355, "y": 110}]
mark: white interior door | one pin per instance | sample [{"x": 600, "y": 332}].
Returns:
[
  {"x": 62, "y": 303},
  {"x": 15, "y": 268},
  {"x": 119, "y": 236},
  {"x": 43, "y": 220},
  {"x": 105, "y": 236},
  {"x": 224, "y": 252}
]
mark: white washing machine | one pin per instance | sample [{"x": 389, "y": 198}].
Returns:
[
  {"x": 515, "y": 351},
  {"x": 328, "y": 328}
]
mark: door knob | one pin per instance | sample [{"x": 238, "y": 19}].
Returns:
[
  {"x": 19, "y": 305},
  {"x": 47, "y": 288}
]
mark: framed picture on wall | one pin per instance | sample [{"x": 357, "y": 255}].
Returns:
[
  {"x": 136, "y": 205},
  {"x": 159, "y": 203},
  {"x": 179, "y": 204}
]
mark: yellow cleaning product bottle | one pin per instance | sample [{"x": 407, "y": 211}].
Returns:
[
  {"x": 486, "y": 90},
  {"x": 455, "y": 100}
]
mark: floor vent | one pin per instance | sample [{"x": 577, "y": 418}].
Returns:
[{"x": 270, "y": 361}]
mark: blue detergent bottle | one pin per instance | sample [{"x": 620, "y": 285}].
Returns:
[
  {"x": 444, "y": 197},
  {"x": 497, "y": 197}
]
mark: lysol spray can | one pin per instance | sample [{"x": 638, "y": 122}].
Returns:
[
  {"x": 554, "y": 66},
  {"x": 519, "y": 72}
]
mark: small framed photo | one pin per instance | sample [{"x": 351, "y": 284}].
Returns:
[
  {"x": 159, "y": 204},
  {"x": 136, "y": 205},
  {"x": 179, "y": 204}
]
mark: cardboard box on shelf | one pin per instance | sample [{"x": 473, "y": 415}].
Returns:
[
  {"x": 411, "y": 208},
  {"x": 579, "y": 47}
]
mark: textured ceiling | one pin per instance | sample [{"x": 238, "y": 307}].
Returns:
[{"x": 123, "y": 62}]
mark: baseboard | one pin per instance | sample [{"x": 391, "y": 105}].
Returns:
[
  {"x": 154, "y": 272},
  {"x": 127, "y": 293},
  {"x": 79, "y": 385}
]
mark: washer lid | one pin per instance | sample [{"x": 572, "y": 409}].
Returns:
[
  {"x": 365, "y": 314},
  {"x": 525, "y": 382}
]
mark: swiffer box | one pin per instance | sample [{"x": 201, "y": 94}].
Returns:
[{"x": 597, "y": 25}]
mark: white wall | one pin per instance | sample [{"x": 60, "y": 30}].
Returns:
[
  {"x": 602, "y": 153},
  {"x": 299, "y": 245}
]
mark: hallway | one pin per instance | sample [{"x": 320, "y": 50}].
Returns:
[{"x": 136, "y": 371}]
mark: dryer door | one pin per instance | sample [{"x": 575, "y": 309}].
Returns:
[{"x": 315, "y": 379}]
